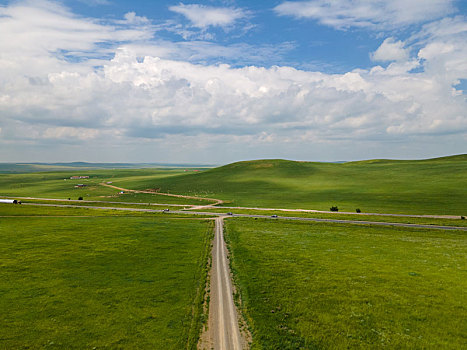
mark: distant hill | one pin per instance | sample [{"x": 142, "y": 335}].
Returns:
[
  {"x": 436, "y": 185},
  {"x": 37, "y": 167}
]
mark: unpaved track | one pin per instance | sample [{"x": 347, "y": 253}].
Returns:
[
  {"x": 219, "y": 201},
  {"x": 214, "y": 200},
  {"x": 104, "y": 202},
  {"x": 223, "y": 326}
]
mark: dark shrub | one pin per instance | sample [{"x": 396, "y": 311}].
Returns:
[
  {"x": 80, "y": 198},
  {"x": 334, "y": 208},
  {"x": 462, "y": 217},
  {"x": 358, "y": 210}
]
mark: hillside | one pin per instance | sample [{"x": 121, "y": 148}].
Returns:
[{"x": 400, "y": 186}]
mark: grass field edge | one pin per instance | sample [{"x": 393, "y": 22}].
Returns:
[
  {"x": 199, "y": 309},
  {"x": 240, "y": 297}
]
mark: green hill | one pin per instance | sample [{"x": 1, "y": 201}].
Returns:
[{"x": 431, "y": 186}]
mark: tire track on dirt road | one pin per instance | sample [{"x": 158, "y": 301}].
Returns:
[{"x": 223, "y": 331}]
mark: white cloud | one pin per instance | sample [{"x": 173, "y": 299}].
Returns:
[
  {"x": 145, "y": 104},
  {"x": 132, "y": 18},
  {"x": 443, "y": 49},
  {"x": 156, "y": 97},
  {"x": 390, "y": 50},
  {"x": 66, "y": 133},
  {"x": 203, "y": 51},
  {"x": 44, "y": 35},
  {"x": 377, "y": 14},
  {"x": 202, "y": 16}
]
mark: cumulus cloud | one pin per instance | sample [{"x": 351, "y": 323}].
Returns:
[
  {"x": 137, "y": 100},
  {"x": 202, "y": 16},
  {"x": 132, "y": 18},
  {"x": 378, "y": 14},
  {"x": 157, "y": 97},
  {"x": 390, "y": 50}
]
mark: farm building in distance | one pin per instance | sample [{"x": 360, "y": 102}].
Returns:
[{"x": 79, "y": 177}]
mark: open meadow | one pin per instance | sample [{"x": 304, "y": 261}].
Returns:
[
  {"x": 82, "y": 278},
  {"x": 233, "y": 175},
  {"x": 333, "y": 286},
  {"x": 455, "y": 221},
  {"x": 58, "y": 185},
  {"x": 433, "y": 186}
]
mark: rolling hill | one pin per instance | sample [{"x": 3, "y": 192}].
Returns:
[{"x": 431, "y": 186}]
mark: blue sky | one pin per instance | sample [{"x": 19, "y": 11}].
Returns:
[
  {"x": 220, "y": 81},
  {"x": 308, "y": 43}
]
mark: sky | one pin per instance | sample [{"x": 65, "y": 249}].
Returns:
[{"x": 218, "y": 81}]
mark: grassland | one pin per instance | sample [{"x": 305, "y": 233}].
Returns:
[
  {"x": 458, "y": 222},
  {"x": 26, "y": 210},
  {"x": 84, "y": 278},
  {"x": 433, "y": 186},
  {"x": 59, "y": 185},
  {"x": 80, "y": 278},
  {"x": 153, "y": 206},
  {"x": 437, "y": 186},
  {"x": 316, "y": 286}
]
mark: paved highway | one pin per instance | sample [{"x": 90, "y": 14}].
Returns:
[{"x": 339, "y": 221}]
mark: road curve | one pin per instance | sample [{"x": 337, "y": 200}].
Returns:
[
  {"x": 223, "y": 330},
  {"x": 214, "y": 200}
]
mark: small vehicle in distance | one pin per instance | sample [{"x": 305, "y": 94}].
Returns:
[
  {"x": 166, "y": 210},
  {"x": 229, "y": 213},
  {"x": 274, "y": 216}
]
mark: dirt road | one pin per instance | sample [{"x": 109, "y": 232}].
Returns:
[
  {"x": 219, "y": 201},
  {"x": 214, "y": 200},
  {"x": 223, "y": 326}
]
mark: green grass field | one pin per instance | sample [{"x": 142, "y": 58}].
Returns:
[
  {"x": 331, "y": 286},
  {"x": 100, "y": 281},
  {"x": 433, "y": 186},
  {"x": 105, "y": 204},
  {"x": 85, "y": 278},
  {"x": 7, "y": 210},
  {"x": 437, "y": 186},
  {"x": 458, "y": 222},
  {"x": 59, "y": 185}
]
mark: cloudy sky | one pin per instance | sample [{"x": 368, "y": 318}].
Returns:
[{"x": 224, "y": 80}]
